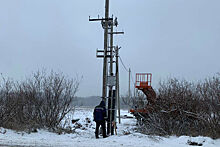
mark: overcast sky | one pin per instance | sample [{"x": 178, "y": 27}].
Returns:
[{"x": 169, "y": 38}]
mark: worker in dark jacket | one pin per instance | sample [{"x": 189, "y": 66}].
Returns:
[{"x": 100, "y": 116}]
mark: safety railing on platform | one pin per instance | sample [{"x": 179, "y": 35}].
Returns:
[{"x": 143, "y": 80}]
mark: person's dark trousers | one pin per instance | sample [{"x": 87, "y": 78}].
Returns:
[{"x": 98, "y": 124}]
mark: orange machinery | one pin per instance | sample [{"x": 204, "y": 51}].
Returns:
[{"x": 143, "y": 83}]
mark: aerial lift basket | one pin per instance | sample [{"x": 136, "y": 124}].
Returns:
[
  {"x": 143, "y": 83},
  {"x": 143, "y": 80}
]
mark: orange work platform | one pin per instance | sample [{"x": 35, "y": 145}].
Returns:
[
  {"x": 143, "y": 80},
  {"x": 143, "y": 83}
]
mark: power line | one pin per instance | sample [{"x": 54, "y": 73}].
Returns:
[
  {"x": 130, "y": 74},
  {"x": 123, "y": 64},
  {"x": 127, "y": 70}
]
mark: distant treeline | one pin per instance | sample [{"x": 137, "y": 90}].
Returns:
[{"x": 93, "y": 101}]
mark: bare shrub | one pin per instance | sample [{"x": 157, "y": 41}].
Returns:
[
  {"x": 134, "y": 101},
  {"x": 7, "y": 102},
  {"x": 40, "y": 101},
  {"x": 184, "y": 108}
]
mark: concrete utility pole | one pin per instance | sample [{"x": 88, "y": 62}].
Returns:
[
  {"x": 104, "y": 86},
  {"x": 117, "y": 85},
  {"x": 111, "y": 95},
  {"x": 129, "y": 83},
  {"x": 111, "y": 50},
  {"x": 110, "y": 77}
]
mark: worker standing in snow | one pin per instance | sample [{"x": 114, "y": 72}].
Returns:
[{"x": 100, "y": 116}]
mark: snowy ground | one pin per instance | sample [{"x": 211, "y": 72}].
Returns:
[{"x": 84, "y": 136}]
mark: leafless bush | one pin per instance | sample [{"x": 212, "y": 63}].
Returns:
[
  {"x": 7, "y": 102},
  {"x": 40, "y": 101},
  {"x": 133, "y": 101},
  {"x": 185, "y": 108}
]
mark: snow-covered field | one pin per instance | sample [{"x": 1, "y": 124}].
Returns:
[{"x": 84, "y": 136}]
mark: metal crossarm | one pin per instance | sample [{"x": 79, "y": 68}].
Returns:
[{"x": 100, "y": 19}]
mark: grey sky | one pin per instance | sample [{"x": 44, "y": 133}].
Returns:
[{"x": 177, "y": 38}]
